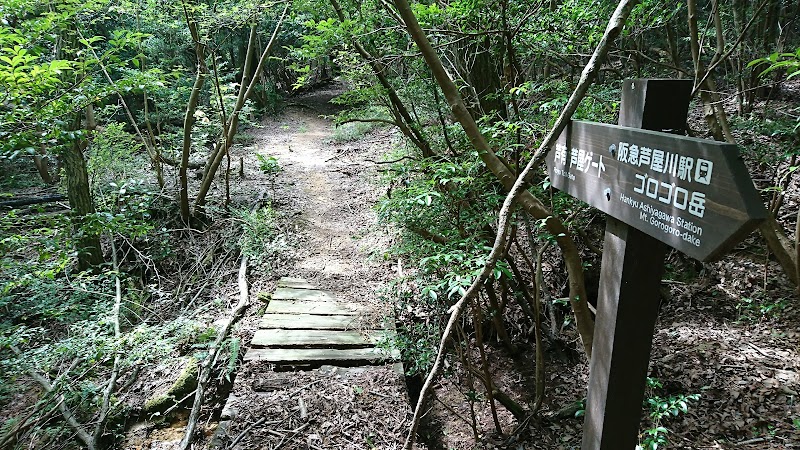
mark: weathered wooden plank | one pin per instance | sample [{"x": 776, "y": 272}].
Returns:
[
  {"x": 318, "y": 308},
  {"x": 295, "y": 283},
  {"x": 317, "y": 322},
  {"x": 693, "y": 194},
  {"x": 283, "y": 293},
  {"x": 314, "y": 338},
  {"x": 320, "y": 356}
]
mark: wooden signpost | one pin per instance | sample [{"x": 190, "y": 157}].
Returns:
[{"x": 658, "y": 190}]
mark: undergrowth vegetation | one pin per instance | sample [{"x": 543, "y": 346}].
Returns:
[{"x": 58, "y": 325}]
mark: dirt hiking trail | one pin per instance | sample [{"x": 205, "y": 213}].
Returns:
[{"x": 330, "y": 187}]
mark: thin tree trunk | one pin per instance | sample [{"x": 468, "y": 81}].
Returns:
[
  {"x": 713, "y": 109},
  {"x": 672, "y": 41},
  {"x": 497, "y": 318},
  {"x": 782, "y": 247},
  {"x": 80, "y": 200},
  {"x": 516, "y": 187},
  {"x": 486, "y": 374},
  {"x": 188, "y": 119},
  {"x": 226, "y": 140}
]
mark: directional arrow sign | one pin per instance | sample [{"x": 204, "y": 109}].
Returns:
[{"x": 693, "y": 194}]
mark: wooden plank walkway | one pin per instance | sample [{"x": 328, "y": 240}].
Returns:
[{"x": 304, "y": 325}]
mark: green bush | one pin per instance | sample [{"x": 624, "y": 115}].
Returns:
[
  {"x": 660, "y": 410},
  {"x": 268, "y": 164},
  {"x": 263, "y": 240}
]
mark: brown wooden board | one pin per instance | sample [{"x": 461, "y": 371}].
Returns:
[
  {"x": 319, "y": 308},
  {"x": 296, "y": 283},
  {"x": 275, "y": 338},
  {"x": 320, "y": 356},
  {"x": 315, "y": 322},
  {"x": 692, "y": 194},
  {"x": 283, "y": 293}
]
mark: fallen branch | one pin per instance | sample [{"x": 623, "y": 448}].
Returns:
[
  {"x": 16, "y": 203},
  {"x": 208, "y": 365},
  {"x": 105, "y": 406},
  {"x": 757, "y": 440}
]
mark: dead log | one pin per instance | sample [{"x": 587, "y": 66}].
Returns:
[{"x": 27, "y": 201}]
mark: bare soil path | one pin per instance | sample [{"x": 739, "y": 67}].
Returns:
[{"x": 331, "y": 188}]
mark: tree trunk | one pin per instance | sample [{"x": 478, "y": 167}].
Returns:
[
  {"x": 713, "y": 109},
  {"x": 188, "y": 123},
  {"x": 188, "y": 119},
  {"x": 80, "y": 200},
  {"x": 526, "y": 200}
]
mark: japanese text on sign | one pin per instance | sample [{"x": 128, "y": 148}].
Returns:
[
  {"x": 580, "y": 159},
  {"x": 684, "y": 168}
]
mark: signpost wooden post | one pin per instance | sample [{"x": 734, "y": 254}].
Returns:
[{"x": 658, "y": 190}]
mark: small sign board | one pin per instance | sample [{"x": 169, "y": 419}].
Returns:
[{"x": 693, "y": 194}]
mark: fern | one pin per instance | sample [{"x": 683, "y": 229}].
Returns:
[{"x": 233, "y": 357}]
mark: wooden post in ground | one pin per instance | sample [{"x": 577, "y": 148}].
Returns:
[
  {"x": 630, "y": 279},
  {"x": 659, "y": 190}
]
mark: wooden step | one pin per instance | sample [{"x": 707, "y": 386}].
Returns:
[
  {"x": 283, "y": 293},
  {"x": 317, "y": 322},
  {"x": 315, "y": 338},
  {"x": 295, "y": 283},
  {"x": 315, "y": 356},
  {"x": 318, "y": 308}
]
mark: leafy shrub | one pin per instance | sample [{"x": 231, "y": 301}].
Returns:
[
  {"x": 268, "y": 164},
  {"x": 661, "y": 409},
  {"x": 262, "y": 238}
]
